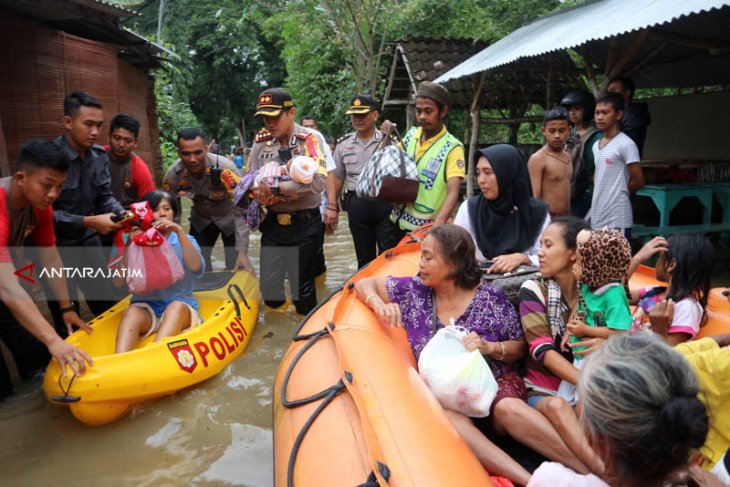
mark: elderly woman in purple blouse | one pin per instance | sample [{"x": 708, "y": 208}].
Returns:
[{"x": 448, "y": 289}]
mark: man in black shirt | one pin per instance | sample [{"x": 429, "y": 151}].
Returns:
[{"x": 86, "y": 205}]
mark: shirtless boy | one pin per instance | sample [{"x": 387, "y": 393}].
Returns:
[{"x": 551, "y": 167}]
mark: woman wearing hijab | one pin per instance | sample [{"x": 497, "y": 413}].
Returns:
[{"x": 505, "y": 221}]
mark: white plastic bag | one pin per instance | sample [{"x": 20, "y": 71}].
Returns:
[{"x": 461, "y": 380}]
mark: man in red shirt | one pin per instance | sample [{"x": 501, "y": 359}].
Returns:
[
  {"x": 131, "y": 178},
  {"x": 26, "y": 211}
]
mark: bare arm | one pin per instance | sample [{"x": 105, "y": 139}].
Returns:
[
  {"x": 452, "y": 196},
  {"x": 557, "y": 364},
  {"x": 601, "y": 332},
  {"x": 50, "y": 259},
  {"x": 371, "y": 287},
  {"x": 507, "y": 351},
  {"x": 29, "y": 316},
  {"x": 636, "y": 177},
  {"x": 654, "y": 246},
  {"x": 536, "y": 167},
  {"x": 334, "y": 186},
  {"x": 334, "y": 189},
  {"x": 372, "y": 292},
  {"x": 191, "y": 255}
]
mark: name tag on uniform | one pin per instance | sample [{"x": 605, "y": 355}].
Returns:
[{"x": 432, "y": 168}]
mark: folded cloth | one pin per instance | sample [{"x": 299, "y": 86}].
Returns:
[{"x": 249, "y": 209}]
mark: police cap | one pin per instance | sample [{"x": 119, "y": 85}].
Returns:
[
  {"x": 272, "y": 101},
  {"x": 362, "y": 104}
]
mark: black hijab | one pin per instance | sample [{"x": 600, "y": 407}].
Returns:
[{"x": 510, "y": 223}]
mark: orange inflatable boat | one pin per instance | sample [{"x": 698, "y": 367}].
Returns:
[{"x": 349, "y": 405}]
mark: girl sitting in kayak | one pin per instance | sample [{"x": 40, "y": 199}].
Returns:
[
  {"x": 676, "y": 311},
  {"x": 171, "y": 310}
]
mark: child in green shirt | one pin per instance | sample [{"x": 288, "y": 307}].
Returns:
[{"x": 603, "y": 306}]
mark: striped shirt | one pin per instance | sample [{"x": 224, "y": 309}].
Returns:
[
  {"x": 611, "y": 205},
  {"x": 540, "y": 337}
]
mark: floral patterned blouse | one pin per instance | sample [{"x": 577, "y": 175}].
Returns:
[{"x": 489, "y": 314}]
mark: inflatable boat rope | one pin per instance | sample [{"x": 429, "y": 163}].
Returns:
[{"x": 327, "y": 394}]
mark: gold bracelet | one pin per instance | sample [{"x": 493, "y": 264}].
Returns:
[
  {"x": 367, "y": 300},
  {"x": 504, "y": 351}
]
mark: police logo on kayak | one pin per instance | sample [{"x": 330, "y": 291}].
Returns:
[{"x": 183, "y": 354}]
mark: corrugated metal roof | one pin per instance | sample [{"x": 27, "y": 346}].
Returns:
[
  {"x": 580, "y": 26},
  {"x": 107, "y": 7}
]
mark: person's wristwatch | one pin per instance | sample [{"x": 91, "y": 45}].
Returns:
[{"x": 70, "y": 307}]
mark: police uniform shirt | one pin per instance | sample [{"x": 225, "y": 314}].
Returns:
[
  {"x": 351, "y": 154},
  {"x": 209, "y": 205},
  {"x": 86, "y": 192},
  {"x": 302, "y": 142}
]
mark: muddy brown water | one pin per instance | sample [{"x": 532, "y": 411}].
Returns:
[{"x": 217, "y": 433}]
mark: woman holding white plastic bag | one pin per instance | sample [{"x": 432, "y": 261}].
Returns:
[{"x": 448, "y": 286}]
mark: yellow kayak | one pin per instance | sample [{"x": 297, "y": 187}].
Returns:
[{"x": 229, "y": 304}]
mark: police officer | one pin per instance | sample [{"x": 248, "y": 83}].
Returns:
[
  {"x": 291, "y": 231},
  {"x": 369, "y": 220},
  {"x": 197, "y": 175}
]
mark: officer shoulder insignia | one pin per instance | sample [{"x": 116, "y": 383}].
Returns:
[
  {"x": 344, "y": 137},
  {"x": 304, "y": 135},
  {"x": 262, "y": 135}
]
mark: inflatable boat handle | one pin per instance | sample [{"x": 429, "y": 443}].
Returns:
[
  {"x": 230, "y": 289},
  {"x": 65, "y": 397}
]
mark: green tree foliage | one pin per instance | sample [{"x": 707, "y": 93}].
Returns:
[
  {"x": 224, "y": 62},
  {"x": 333, "y": 49},
  {"x": 317, "y": 72},
  {"x": 173, "y": 110},
  {"x": 323, "y": 51},
  {"x": 231, "y": 64}
]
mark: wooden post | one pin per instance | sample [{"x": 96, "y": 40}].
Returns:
[
  {"x": 589, "y": 71},
  {"x": 550, "y": 89},
  {"x": 626, "y": 56},
  {"x": 410, "y": 115},
  {"x": 467, "y": 129},
  {"x": 475, "y": 111},
  {"x": 614, "y": 51}
]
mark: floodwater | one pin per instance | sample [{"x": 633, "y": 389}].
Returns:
[{"x": 217, "y": 433}]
